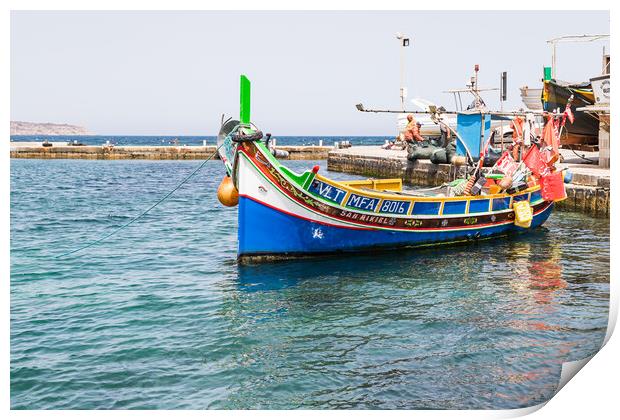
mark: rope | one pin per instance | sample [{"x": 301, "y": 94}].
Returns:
[
  {"x": 570, "y": 147},
  {"x": 161, "y": 200}
]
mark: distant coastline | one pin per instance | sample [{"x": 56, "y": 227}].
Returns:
[{"x": 25, "y": 128}]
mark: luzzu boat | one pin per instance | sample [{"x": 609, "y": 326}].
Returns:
[
  {"x": 284, "y": 214},
  {"x": 556, "y": 94}
]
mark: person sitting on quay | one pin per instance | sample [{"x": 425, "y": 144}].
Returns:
[
  {"x": 407, "y": 137},
  {"x": 412, "y": 131}
]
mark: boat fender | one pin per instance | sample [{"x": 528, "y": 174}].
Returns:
[
  {"x": 227, "y": 193},
  {"x": 523, "y": 214},
  {"x": 279, "y": 154}
]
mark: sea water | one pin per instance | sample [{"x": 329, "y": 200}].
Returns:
[{"x": 160, "y": 316}]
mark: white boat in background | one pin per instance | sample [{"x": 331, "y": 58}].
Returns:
[
  {"x": 429, "y": 127},
  {"x": 531, "y": 97}
]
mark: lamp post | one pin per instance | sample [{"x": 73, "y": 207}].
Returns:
[{"x": 404, "y": 42}]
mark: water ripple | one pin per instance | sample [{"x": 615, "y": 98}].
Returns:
[{"x": 161, "y": 316}]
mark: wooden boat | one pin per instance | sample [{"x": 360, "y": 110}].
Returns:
[
  {"x": 285, "y": 214},
  {"x": 584, "y": 130}
]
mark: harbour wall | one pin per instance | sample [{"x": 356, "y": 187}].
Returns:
[
  {"x": 147, "y": 152},
  {"x": 588, "y": 193}
]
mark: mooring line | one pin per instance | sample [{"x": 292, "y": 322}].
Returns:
[{"x": 103, "y": 238}]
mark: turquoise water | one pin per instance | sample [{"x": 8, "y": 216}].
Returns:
[{"x": 161, "y": 316}]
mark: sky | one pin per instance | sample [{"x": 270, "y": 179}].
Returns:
[{"x": 176, "y": 73}]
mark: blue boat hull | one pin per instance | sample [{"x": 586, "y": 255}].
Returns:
[{"x": 267, "y": 233}]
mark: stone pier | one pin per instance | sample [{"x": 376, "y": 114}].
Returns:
[{"x": 25, "y": 150}]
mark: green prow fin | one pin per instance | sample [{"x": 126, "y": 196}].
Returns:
[{"x": 244, "y": 106}]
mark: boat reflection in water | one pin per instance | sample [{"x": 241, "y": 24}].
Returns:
[
  {"x": 538, "y": 275},
  {"x": 498, "y": 315}
]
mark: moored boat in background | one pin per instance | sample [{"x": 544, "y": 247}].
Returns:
[{"x": 556, "y": 94}]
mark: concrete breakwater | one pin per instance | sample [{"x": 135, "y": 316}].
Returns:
[
  {"x": 588, "y": 193},
  {"x": 57, "y": 151}
]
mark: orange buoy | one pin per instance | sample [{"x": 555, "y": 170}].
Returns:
[
  {"x": 227, "y": 192},
  {"x": 494, "y": 189}
]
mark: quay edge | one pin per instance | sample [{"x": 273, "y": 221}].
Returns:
[{"x": 37, "y": 151}]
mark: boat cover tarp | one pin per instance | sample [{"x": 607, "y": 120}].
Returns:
[{"x": 469, "y": 128}]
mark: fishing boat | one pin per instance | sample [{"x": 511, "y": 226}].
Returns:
[
  {"x": 557, "y": 93},
  {"x": 285, "y": 214}
]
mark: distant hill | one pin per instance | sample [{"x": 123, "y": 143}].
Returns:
[{"x": 23, "y": 128}]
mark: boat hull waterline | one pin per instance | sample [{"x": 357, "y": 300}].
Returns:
[{"x": 281, "y": 217}]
